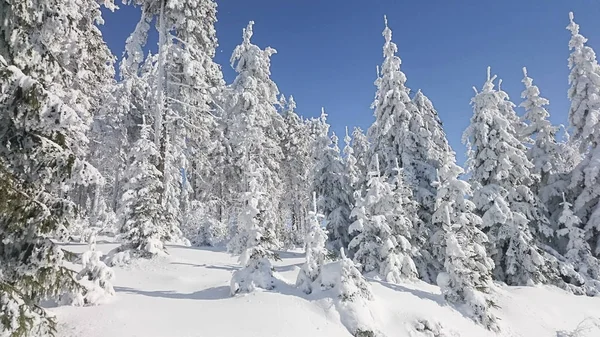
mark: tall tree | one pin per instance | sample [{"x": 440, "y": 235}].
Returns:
[
  {"x": 584, "y": 118},
  {"x": 296, "y": 168},
  {"x": 468, "y": 270},
  {"x": 335, "y": 195},
  {"x": 41, "y": 144},
  {"x": 186, "y": 85},
  {"x": 408, "y": 131},
  {"x": 256, "y": 157},
  {"x": 141, "y": 214},
  {"x": 430, "y": 151},
  {"x": 380, "y": 243},
  {"x": 549, "y": 157},
  {"x": 544, "y": 153},
  {"x": 48, "y": 95},
  {"x": 391, "y": 106},
  {"x": 500, "y": 175}
]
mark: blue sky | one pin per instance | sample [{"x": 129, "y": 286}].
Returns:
[{"x": 328, "y": 50}]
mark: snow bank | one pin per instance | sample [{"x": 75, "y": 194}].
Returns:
[{"x": 186, "y": 294}]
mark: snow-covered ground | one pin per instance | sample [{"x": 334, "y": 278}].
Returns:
[{"x": 186, "y": 294}]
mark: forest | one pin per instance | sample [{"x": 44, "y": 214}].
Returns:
[{"x": 169, "y": 154}]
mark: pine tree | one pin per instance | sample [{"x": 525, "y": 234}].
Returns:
[
  {"x": 186, "y": 84},
  {"x": 296, "y": 166},
  {"x": 468, "y": 270},
  {"x": 335, "y": 194},
  {"x": 255, "y": 259},
  {"x": 48, "y": 94},
  {"x": 380, "y": 243},
  {"x": 500, "y": 175},
  {"x": 352, "y": 172},
  {"x": 256, "y": 155},
  {"x": 141, "y": 214},
  {"x": 544, "y": 152},
  {"x": 552, "y": 160},
  {"x": 392, "y": 108},
  {"x": 584, "y": 118},
  {"x": 578, "y": 251},
  {"x": 41, "y": 144},
  {"x": 429, "y": 150},
  {"x": 97, "y": 275},
  {"x": 409, "y": 131},
  {"x": 78, "y": 75},
  {"x": 251, "y": 113},
  {"x": 360, "y": 147},
  {"x": 315, "y": 251}
]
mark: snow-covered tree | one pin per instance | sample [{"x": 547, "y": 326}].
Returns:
[
  {"x": 296, "y": 170},
  {"x": 141, "y": 214},
  {"x": 254, "y": 238},
  {"x": 467, "y": 279},
  {"x": 408, "y": 131},
  {"x": 380, "y": 243},
  {"x": 251, "y": 114},
  {"x": 361, "y": 148},
  {"x": 185, "y": 85},
  {"x": 584, "y": 118},
  {"x": 335, "y": 194},
  {"x": 429, "y": 149},
  {"x": 97, "y": 276},
  {"x": 352, "y": 294},
  {"x": 584, "y": 114},
  {"x": 500, "y": 175},
  {"x": 544, "y": 153},
  {"x": 346, "y": 280},
  {"x": 203, "y": 229},
  {"x": 578, "y": 251},
  {"x": 33, "y": 38},
  {"x": 352, "y": 171},
  {"x": 42, "y": 141},
  {"x": 552, "y": 160},
  {"x": 48, "y": 94},
  {"x": 314, "y": 249},
  {"x": 391, "y": 106},
  {"x": 256, "y": 155}
]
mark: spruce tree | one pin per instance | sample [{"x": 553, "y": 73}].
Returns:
[
  {"x": 41, "y": 142},
  {"x": 141, "y": 214},
  {"x": 314, "y": 249},
  {"x": 335, "y": 194},
  {"x": 500, "y": 175},
  {"x": 584, "y": 118},
  {"x": 48, "y": 95},
  {"x": 96, "y": 275},
  {"x": 256, "y": 156},
  {"x": 468, "y": 270},
  {"x": 186, "y": 84},
  {"x": 544, "y": 153},
  {"x": 360, "y": 150},
  {"x": 380, "y": 229},
  {"x": 255, "y": 258},
  {"x": 578, "y": 251},
  {"x": 408, "y": 131},
  {"x": 552, "y": 160},
  {"x": 296, "y": 165}
]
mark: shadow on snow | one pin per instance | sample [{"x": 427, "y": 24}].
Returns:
[{"x": 209, "y": 294}]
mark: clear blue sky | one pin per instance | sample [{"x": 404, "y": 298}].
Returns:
[{"x": 328, "y": 50}]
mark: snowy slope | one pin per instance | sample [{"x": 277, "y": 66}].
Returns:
[{"x": 187, "y": 295}]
